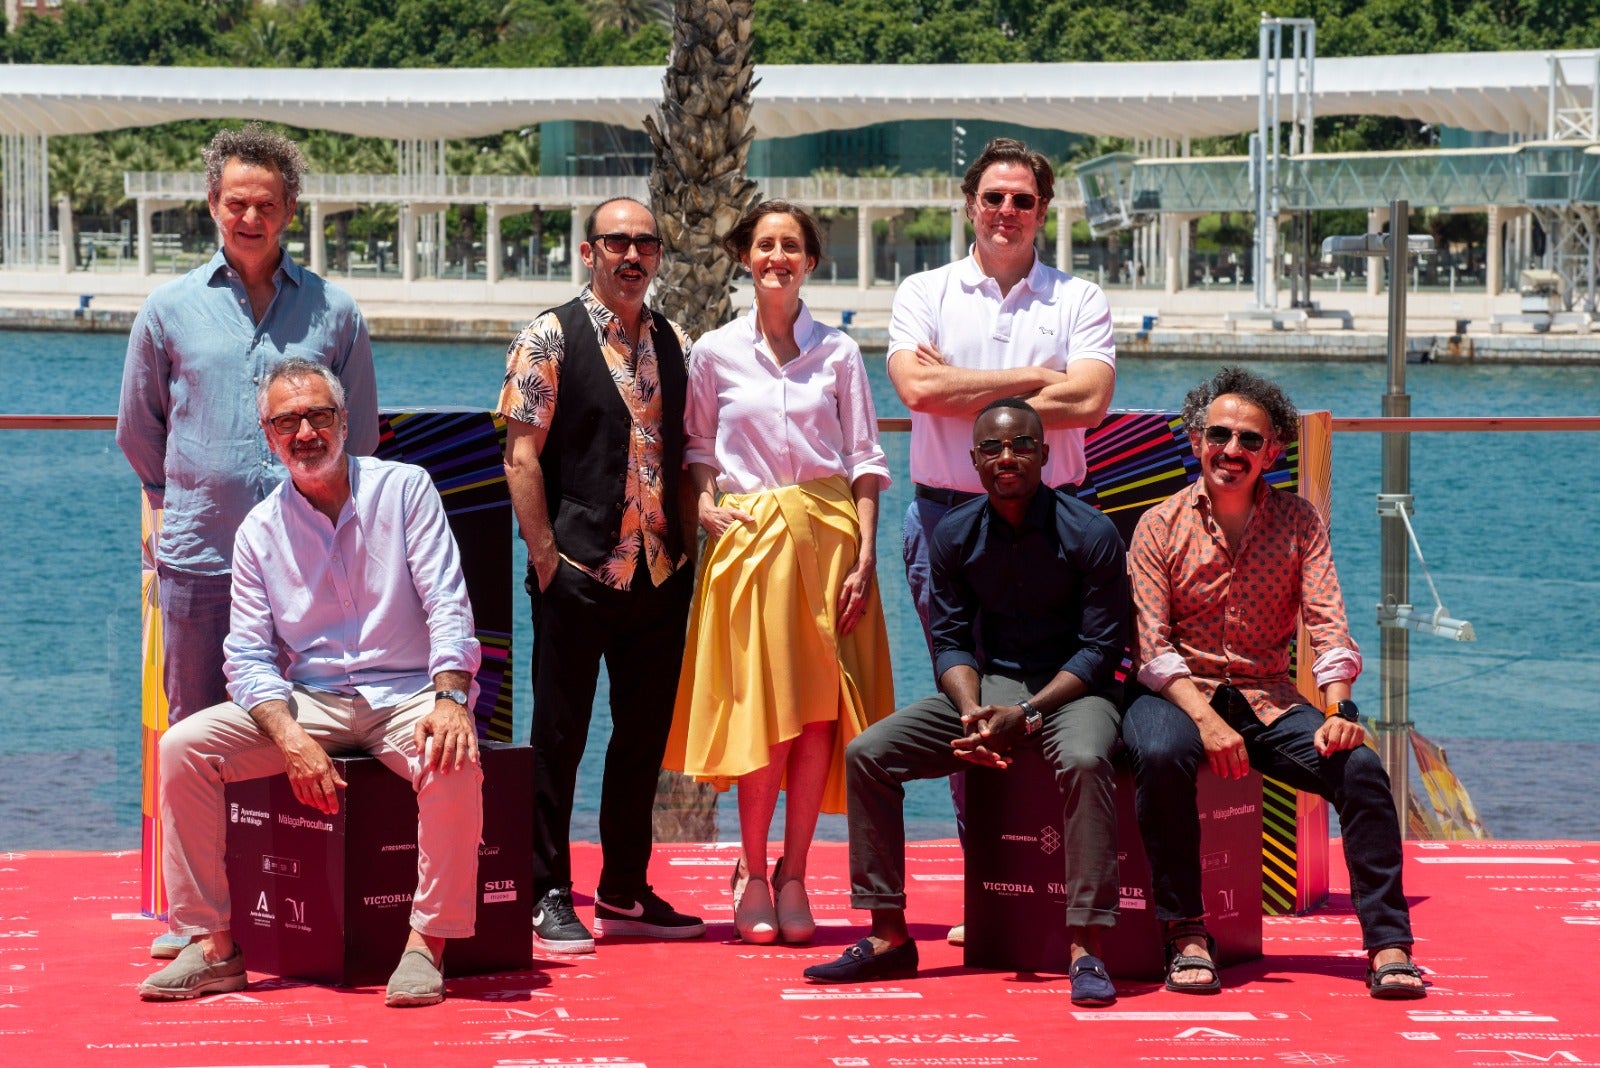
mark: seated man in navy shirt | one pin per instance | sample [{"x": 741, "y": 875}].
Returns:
[{"x": 1029, "y": 615}]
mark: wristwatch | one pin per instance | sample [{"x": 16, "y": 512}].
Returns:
[
  {"x": 1032, "y": 718},
  {"x": 1344, "y": 710},
  {"x": 458, "y": 696}
]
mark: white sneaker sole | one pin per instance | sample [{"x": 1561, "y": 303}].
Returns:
[
  {"x": 570, "y": 946},
  {"x": 640, "y": 929}
]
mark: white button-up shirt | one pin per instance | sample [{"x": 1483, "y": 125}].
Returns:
[
  {"x": 1049, "y": 319},
  {"x": 374, "y": 604},
  {"x": 762, "y": 425}
]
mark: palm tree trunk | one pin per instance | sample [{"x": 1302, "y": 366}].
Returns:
[{"x": 702, "y": 134}]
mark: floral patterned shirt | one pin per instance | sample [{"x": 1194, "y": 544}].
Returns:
[
  {"x": 529, "y": 394},
  {"x": 1218, "y": 617}
]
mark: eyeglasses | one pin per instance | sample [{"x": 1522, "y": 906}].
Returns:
[
  {"x": 993, "y": 199},
  {"x": 1022, "y": 445},
  {"x": 617, "y": 244},
  {"x": 289, "y": 422},
  {"x": 1249, "y": 440}
]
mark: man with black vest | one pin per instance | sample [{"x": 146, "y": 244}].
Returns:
[{"x": 593, "y": 400}]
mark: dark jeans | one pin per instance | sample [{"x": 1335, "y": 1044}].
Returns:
[
  {"x": 1166, "y": 750},
  {"x": 640, "y": 633},
  {"x": 195, "y": 611},
  {"x": 914, "y": 743}
]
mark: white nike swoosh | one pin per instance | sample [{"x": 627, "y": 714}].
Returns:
[
  {"x": 635, "y": 912},
  {"x": 538, "y": 917}
]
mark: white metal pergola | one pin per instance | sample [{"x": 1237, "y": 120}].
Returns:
[{"x": 1503, "y": 92}]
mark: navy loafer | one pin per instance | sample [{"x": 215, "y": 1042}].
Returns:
[
  {"x": 1091, "y": 986},
  {"x": 860, "y": 965}
]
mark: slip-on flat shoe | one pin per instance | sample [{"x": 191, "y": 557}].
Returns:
[
  {"x": 860, "y": 965},
  {"x": 1091, "y": 986}
]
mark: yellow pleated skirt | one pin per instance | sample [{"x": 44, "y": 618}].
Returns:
[{"x": 764, "y": 656}]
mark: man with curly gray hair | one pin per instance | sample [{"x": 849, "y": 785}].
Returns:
[
  {"x": 1224, "y": 572},
  {"x": 187, "y": 418}
]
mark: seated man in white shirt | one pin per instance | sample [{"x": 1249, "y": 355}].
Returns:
[{"x": 351, "y": 633}]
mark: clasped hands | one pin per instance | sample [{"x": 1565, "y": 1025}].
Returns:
[{"x": 993, "y": 732}]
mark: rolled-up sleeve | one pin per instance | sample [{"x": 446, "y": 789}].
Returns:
[
  {"x": 360, "y": 381},
  {"x": 435, "y": 564},
  {"x": 1322, "y": 606},
  {"x": 142, "y": 407},
  {"x": 1104, "y": 627},
  {"x": 700, "y": 410},
  {"x": 251, "y": 648},
  {"x": 858, "y": 421},
  {"x": 952, "y": 606},
  {"x": 1159, "y": 661}
]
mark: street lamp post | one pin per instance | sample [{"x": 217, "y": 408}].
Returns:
[{"x": 1395, "y": 615}]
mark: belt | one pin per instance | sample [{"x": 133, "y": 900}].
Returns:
[{"x": 948, "y": 497}]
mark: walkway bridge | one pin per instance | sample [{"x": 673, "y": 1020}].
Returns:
[{"x": 1556, "y": 183}]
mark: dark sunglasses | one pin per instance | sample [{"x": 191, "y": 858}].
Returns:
[
  {"x": 289, "y": 422},
  {"x": 994, "y": 199},
  {"x": 1249, "y": 440},
  {"x": 617, "y": 244},
  {"x": 1023, "y": 445}
]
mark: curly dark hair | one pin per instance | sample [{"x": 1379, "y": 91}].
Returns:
[
  {"x": 1263, "y": 393},
  {"x": 259, "y": 147},
  {"x": 736, "y": 242},
  {"x": 1010, "y": 150}
]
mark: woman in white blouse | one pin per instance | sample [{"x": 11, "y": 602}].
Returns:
[{"x": 787, "y": 656}]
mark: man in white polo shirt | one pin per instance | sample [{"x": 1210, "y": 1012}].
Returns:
[{"x": 999, "y": 323}]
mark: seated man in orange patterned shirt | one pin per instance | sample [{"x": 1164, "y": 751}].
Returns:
[{"x": 1223, "y": 572}]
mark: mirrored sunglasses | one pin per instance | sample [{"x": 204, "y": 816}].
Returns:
[
  {"x": 1023, "y": 445},
  {"x": 1249, "y": 440}
]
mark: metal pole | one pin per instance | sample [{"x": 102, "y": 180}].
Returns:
[{"x": 1394, "y": 727}]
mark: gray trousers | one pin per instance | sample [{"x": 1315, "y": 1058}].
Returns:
[
  {"x": 914, "y": 743},
  {"x": 222, "y": 744}
]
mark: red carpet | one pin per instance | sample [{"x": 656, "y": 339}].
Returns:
[{"x": 1509, "y": 932}]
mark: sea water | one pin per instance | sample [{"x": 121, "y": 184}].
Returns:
[{"x": 1506, "y": 521}]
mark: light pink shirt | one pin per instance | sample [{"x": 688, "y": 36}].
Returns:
[
  {"x": 1049, "y": 319},
  {"x": 763, "y": 426}
]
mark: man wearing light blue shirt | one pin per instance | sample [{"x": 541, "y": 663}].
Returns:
[
  {"x": 187, "y": 420},
  {"x": 351, "y": 633}
]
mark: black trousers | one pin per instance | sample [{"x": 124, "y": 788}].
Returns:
[{"x": 640, "y": 633}]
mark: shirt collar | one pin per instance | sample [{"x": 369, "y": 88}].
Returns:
[
  {"x": 1202, "y": 499},
  {"x": 1040, "y": 514},
  {"x": 806, "y": 329},
  {"x": 604, "y": 317},
  {"x": 298, "y": 502},
  {"x": 287, "y": 268},
  {"x": 972, "y": 277}
]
